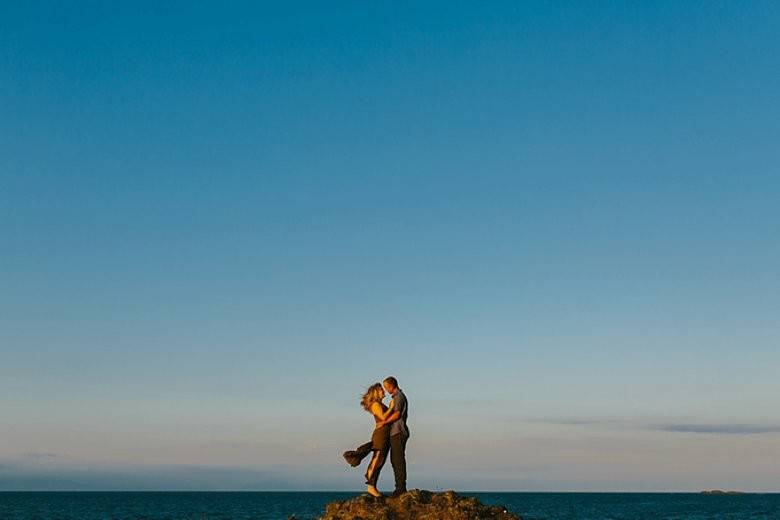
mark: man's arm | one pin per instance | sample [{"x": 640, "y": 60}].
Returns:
[
  {"x": 391, "y": 418},
  {"x": 399, "y": 408}
]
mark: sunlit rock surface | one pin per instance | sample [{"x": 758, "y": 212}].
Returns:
[{"x": 416, "y": 505}]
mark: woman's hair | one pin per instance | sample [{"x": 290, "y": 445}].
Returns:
[{"x": 374, "y": 394}]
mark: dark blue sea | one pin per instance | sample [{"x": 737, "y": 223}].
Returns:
[{"x": 281, "y": 506}]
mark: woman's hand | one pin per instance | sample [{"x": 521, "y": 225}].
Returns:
[{"x": 389, "y": 410}]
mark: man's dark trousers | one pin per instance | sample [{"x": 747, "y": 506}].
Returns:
[{"x": 398, "y": 460}]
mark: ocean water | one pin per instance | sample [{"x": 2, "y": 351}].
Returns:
[{"x": 307, "y": 506}]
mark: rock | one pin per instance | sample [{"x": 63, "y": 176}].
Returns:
[
  {"x": 416, "y": 505},
  {"x": 721, "y": 492}
]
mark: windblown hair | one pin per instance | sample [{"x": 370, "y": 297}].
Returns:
[{"x": 374, "y": 394}]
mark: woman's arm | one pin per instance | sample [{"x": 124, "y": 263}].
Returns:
[{"x": 389, "y": 410}]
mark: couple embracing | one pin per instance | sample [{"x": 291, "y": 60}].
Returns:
[{"x": 390, "y": 435}]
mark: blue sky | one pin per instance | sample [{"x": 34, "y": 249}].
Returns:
[{"x": 556, "y": 223}]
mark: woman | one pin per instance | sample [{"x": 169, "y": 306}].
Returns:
[{"x": 380, "y": 440}]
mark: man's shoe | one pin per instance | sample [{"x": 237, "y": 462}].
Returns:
[
  {"x": 352, "y": 458},
  {"x": 398, "y": 492}
]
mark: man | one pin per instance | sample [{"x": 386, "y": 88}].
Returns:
[{"x": 399, "y": 433}]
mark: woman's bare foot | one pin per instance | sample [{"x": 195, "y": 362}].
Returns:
[{"x": 373, "y": 491}]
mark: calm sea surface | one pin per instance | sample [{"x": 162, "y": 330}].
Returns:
[{"x": 280, "y": 506}]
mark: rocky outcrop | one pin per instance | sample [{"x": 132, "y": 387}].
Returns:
[
  {"x": 721, "y": 492},
  {"x": 416, "y": 505}
]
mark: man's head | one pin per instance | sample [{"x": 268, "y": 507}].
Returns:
[{"x": 390, "y": 384}]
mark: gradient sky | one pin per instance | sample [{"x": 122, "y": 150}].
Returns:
[{"x": 557, "y": 223}]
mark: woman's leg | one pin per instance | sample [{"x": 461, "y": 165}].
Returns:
[
  {"x": 377, "y": 462},
  {"x": 370, "y": 477},
  {"x": 372, "y": 474},
  {"x": 356, "y": 456}
]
